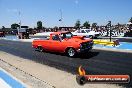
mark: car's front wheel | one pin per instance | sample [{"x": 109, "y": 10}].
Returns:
[
  {"x": 40, "y": 48},
  {"x": 71, "y": 52}
]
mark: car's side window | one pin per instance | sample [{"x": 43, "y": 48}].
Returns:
[
  {"x": 82, "y": 31},
  {"x": 55, "y": 37},
  {"x": 63, "y": 36}
]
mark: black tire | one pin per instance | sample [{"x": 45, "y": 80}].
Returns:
[
  {"x": 71, "y": 52},
  {"x": 81, "y": 80},
  {"x": 91, "y": 36},
  {"x": 40, "y": 48}
]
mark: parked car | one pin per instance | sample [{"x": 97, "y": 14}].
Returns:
[
  {"x": 46, "y": 34},
  {"x": 64, "y": 42},
  {"x": 2, "y": 34},
  {"x": 86, "y": 33}
]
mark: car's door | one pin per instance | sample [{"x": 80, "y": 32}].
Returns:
[{"x": 55, "y": 44}]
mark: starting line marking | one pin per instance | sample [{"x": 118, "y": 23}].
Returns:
[
  {"x": 3, "y": 84},
  {"x": 8, "y": 81}
]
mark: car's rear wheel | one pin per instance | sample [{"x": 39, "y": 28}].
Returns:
[
  {"x": 71, "y": 52},
  {"x": 40, "y": 48}
]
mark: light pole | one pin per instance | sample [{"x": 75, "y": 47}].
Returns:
[
  {"x": 19, "y": 13},
  {"x": 61, "y": 17}
]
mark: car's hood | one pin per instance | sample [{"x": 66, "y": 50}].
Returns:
[
  {"x": 97, "y": 32},
  {"x": 78, "y": 40},
  {"x": 93, "y": 32}
]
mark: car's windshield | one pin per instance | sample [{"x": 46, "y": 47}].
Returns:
[
  {"x": 87, "y": 31},
  {"x": 83, "y": 31},
  {"x": 66, "y": 35}
]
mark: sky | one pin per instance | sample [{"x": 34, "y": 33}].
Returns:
[{"x": 49, "y": 12}]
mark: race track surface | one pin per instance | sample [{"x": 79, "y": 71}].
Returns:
[{"x": 94, "y": 62}]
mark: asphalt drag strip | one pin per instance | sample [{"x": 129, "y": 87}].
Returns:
[{"x": 94, "y": 62}]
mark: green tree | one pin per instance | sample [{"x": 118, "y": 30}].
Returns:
[
  {"x": 14, "y": 26},
  {"x": 130, "y": 25},
  {"x": 78, "y": 24},
  {"x": 39, "y": 25},
  {"x": 94, "y": 25},
  {"x": 130, "y": 20},
  {"x": 86, "y": 24},
  {"x": 3, "y": 27}
]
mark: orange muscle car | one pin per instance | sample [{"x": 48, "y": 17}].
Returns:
[{"x": 63, "y": 42}]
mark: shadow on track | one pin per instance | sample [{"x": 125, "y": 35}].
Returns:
[{"x": 86, "y": 55}]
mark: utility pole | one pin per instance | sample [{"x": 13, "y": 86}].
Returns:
[{"x": 109, "y": 24}]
